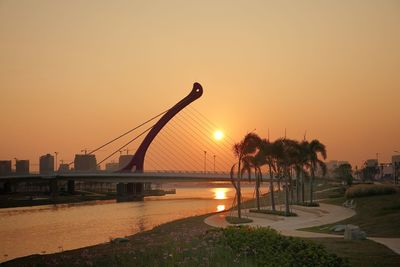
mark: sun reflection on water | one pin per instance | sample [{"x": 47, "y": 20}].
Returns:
[
  {"x": 220, "y": 207},
  {"x": 220, "y": 193}
]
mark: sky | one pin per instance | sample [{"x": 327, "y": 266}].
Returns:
[{"x": 73, "y": 74}]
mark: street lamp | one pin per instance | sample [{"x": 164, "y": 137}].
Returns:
[
  {"x": 205, "y": 161},
  {"x": 56, "y": 161},
  {"x": 214, "y": 162}
]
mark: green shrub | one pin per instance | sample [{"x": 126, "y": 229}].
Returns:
[
  {"x": 363, "y": 190},
  {"x": 269, "y": 248}
]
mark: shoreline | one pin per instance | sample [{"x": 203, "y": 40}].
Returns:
[{"x": 25, "y": 260}]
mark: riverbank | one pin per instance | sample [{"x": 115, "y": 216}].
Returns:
[{"x": 187, "y": 242}]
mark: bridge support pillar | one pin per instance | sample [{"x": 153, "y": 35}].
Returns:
[
  {"x": 130, "y": 192},
  {"x": 53, "y": 186},
  {"x": 6, "y": 188},
  {"x": 71, "y": 187}
]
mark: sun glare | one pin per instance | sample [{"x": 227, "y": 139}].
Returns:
[
  {"x": 220, "y": 207},
  {"x": 218, "y": 135},
  {"x": 220, "y": 193}
]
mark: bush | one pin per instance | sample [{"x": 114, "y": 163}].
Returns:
[
  {"x": 364, "y": 190},
  {"x": 269, "y": 248}
]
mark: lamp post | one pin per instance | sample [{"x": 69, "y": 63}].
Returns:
[
  {"x": 205, "y": 161},
  {"x": 55, "y": 168},
  {"x": 214, "y": 162}
]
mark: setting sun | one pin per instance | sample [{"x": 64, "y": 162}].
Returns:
[{"x": 218, "y": 135}]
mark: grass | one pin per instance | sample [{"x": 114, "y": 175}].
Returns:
[
  {"x": 273, "y": 212},
  {"x": 237, "y": 220},
  {"x": 364, "y": 190},
  {"x": 365, "y": 253},
  {"x": 378, "y": 216}
]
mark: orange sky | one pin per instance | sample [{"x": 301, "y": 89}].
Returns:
[{"x": 75, "y": 73}]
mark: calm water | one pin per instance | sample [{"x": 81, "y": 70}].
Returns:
[{"x": 52, "y": 228}]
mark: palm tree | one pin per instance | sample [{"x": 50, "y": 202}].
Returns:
[
  {"x": 244, "y": 148},
  {"x": 314, "y": 149},
  {"x": 300, "y": 170},
  {"x": 256, "y": 161},
  {"x": 282, "y": 162},
  {"x": 267, "y": 156}
]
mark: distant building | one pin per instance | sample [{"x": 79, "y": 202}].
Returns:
[
  {"x": 5, "y": 167},
  {"x": 84, "y": 162},
  {"x": 112, "y": 166},
  {"x": 332, "y": 165},
  {"x": 124, "y": 160},
  {"x": 371, "y": 163},
  {"x": 63, "y": 167},
  {"x": 386, "y": 170},
  {"x": 396, "y": 167},
  {"x": 46, "y": 164},
  {"x": 22, "y": 166}
]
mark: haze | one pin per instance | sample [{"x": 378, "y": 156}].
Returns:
[{"x": 75, "y": 73}]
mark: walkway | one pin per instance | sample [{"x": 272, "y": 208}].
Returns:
[{"x": 307, "y": 217}]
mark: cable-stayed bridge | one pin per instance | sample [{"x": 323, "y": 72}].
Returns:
[{"x": 178, "y": 144}]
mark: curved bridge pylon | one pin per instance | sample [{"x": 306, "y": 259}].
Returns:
[{"x": 137, "y": 162}]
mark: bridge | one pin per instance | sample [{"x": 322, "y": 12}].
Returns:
[{"x": 175, "y": 148}]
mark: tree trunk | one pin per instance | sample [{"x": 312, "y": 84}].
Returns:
[
  {"x": 238, "y": 193},
  {"x": 258, "y": 192},
  {"x": 298, "y": 187},
  {"x": 271, "y": 188},
  {"x": 287, "y": 210},
  {"x": 258, "y": 177},
  {"x": 291, "y": 186},
  {"x": 311, "y": 184},
  {"x": 302, "y": 187}
]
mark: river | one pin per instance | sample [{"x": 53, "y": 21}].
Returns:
[{"x": 54, "y": 228}]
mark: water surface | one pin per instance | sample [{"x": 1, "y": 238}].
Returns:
[{"x": 53, "y": 228}]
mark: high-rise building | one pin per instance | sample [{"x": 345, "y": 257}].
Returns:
[
  {"x": 124, "y": 160},
  {"x": 5, "y": 167},
  {"x": 46, "y": 164},
  {"x": 22, "y": 166},
  {"x": 85, "y": 162},
  {"x": 112, "y": 166}
]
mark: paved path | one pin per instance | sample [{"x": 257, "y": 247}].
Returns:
[
  {"x": 392, "y": 243},
  {"x": 307, "y": 217}
]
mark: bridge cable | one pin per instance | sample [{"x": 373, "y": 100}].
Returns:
[
  {"x": 208, "y": 140},
  {"x": 210, "y": 122},
  {"x": 125, "y": 145},
  {"x": 171, "y": 136},
  {"x": 227, "y": 146},
  {"x": 186, "y": 132},
  {"x": 171, "y": 160},
  {"x": 206, "y": 145},
  {"x": 124, "y": 134},
  {"x": 197, "y": 139}
]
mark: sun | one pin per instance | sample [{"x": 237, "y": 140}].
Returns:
[{"x": 218, "y": 135}]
